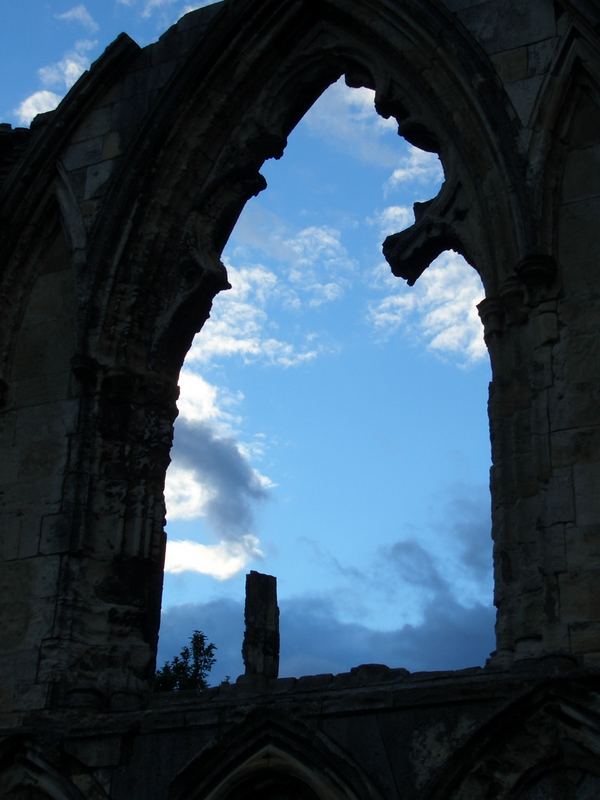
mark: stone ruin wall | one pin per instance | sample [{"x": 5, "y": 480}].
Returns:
[{"x": 114, "y": 210}]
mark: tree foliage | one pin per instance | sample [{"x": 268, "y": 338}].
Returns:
[{"x": 189, "y": 669}]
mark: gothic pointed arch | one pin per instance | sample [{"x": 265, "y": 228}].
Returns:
[
  {"x": 26, "y": 773},
  {"x": 551, "y": 731},
  {"x": 186, "y": 206},
  {"x": 268, "y": 753},
  {"x": 571, "y": 89}
]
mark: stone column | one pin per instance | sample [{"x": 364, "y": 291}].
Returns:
[{"x": 261, "y": 638}]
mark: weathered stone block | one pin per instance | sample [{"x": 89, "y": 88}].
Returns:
[
  {"x": 45, "y": 348},
  {"x": 587, "y": 493},
  {"x": 582, "y": 547},
  {"x": 558, "y": 499},
  {"x": 511, "y": 64},
  {"x": 574, "y": 406},
  {"x": 575, "y": 446},
  {"x": 45, "y": 388},
  {"x": 51, "y": 297},
  {"x": 112, "y": 147},
  {"x": 97, "y": 178},
  {"x": 10, "y": 525},
  {"x": 51, "y": 421},
  {"x": 523, "y": 95},
  {"x": 582, "y": 174},
  {"x": 585, "y": 637},
  {"x": 553, "y": 549},
  {"x": 530, "y": 22},
  {"x": 580, "y": 262},
  {"x": 100, "y": 751},
  {"x": 540, "y": 54},
  {"x": 23, "y": 587},
  {"x": 541, "y": 373},
  {"x": 97, "y": 123},
  {"x": 41, "y": 458},
  {"x": 55, "y": 534},
  {"x": 579, "y": 596},
  {"x": 83, "y": 154},
  {"x": 546, "y": 328},
  {"x": 9, "y": 465}
]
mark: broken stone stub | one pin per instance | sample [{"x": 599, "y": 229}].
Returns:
[{"x": 261, "y": 638}]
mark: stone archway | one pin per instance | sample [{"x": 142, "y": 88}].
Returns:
[
  {"x": 151, "y": 157},
  {"x": 268, "y": 755}
]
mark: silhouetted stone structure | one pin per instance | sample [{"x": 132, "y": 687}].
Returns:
[
  {"x": 114, "y": 210},
  {"x": 261, "y": 615}
]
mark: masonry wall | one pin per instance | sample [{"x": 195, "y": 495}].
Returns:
[{"x": 113, "y": 212}]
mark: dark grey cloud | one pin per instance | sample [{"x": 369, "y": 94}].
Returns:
[
  {"x": 414, "y": 565},
  {"x": 315, "y": 640},
  {"x": 451, "y": 634},
  {"x": 220, "y": 466},
  {"x": 469, "y": 510}
]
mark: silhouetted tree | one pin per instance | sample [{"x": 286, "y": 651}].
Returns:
[{"x": 189, "y": 669}]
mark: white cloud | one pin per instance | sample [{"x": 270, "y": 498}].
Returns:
[
  {"x": 392, "y": 219},
  {"x": 60, "y": 75},
  {"x": 440, "y": 309},
  {"x": 37, "y": 103},
  {"x": 81, "y": 15},
  {"x": 186, "y": 497},
  {"x": 201, "y": 401},
  {"x": 313, "y": 263},
  {"x": 220, "y": 561},
  {"x": 417, "y": 166},
  {"x": 66, "y": 71},
  {"x": 239, "y": 325}
]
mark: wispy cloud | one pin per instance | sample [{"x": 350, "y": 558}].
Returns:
[
  {"x": 346, "y": 119},
  {"x": 240, "y": 325},
  {"x": 150, "y": 6},
  {"x": 417, "y": 166},
  {"x": 312, "y": 264},
  {"x": 60, "y": 76},
  {"x": 80, "y": 15},
  {"x": 440, "y": 310},
  {"x": 450, "y": 558},
  {"x": 66, "y": 71},
  {"x": 392, "y": 219}
]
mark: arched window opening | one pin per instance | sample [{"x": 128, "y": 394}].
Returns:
[
  {"x": 333, "y": 426},
  {"x": 269, "y": 785}
]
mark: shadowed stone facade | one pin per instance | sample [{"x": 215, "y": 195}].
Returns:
[{"x": 114, "y": 210}]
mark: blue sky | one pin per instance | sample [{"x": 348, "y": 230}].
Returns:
[{"x": 333, "y": 427}]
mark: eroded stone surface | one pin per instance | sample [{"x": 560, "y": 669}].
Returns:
[{"x": 113, "y": 214}]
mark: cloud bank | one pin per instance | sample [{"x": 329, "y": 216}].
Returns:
[
  {"x": 454, "y": 626},
  {"x": 314, "y": 640}
]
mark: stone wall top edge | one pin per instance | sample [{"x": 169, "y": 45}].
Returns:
[{"x": 453, "y": 688}]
